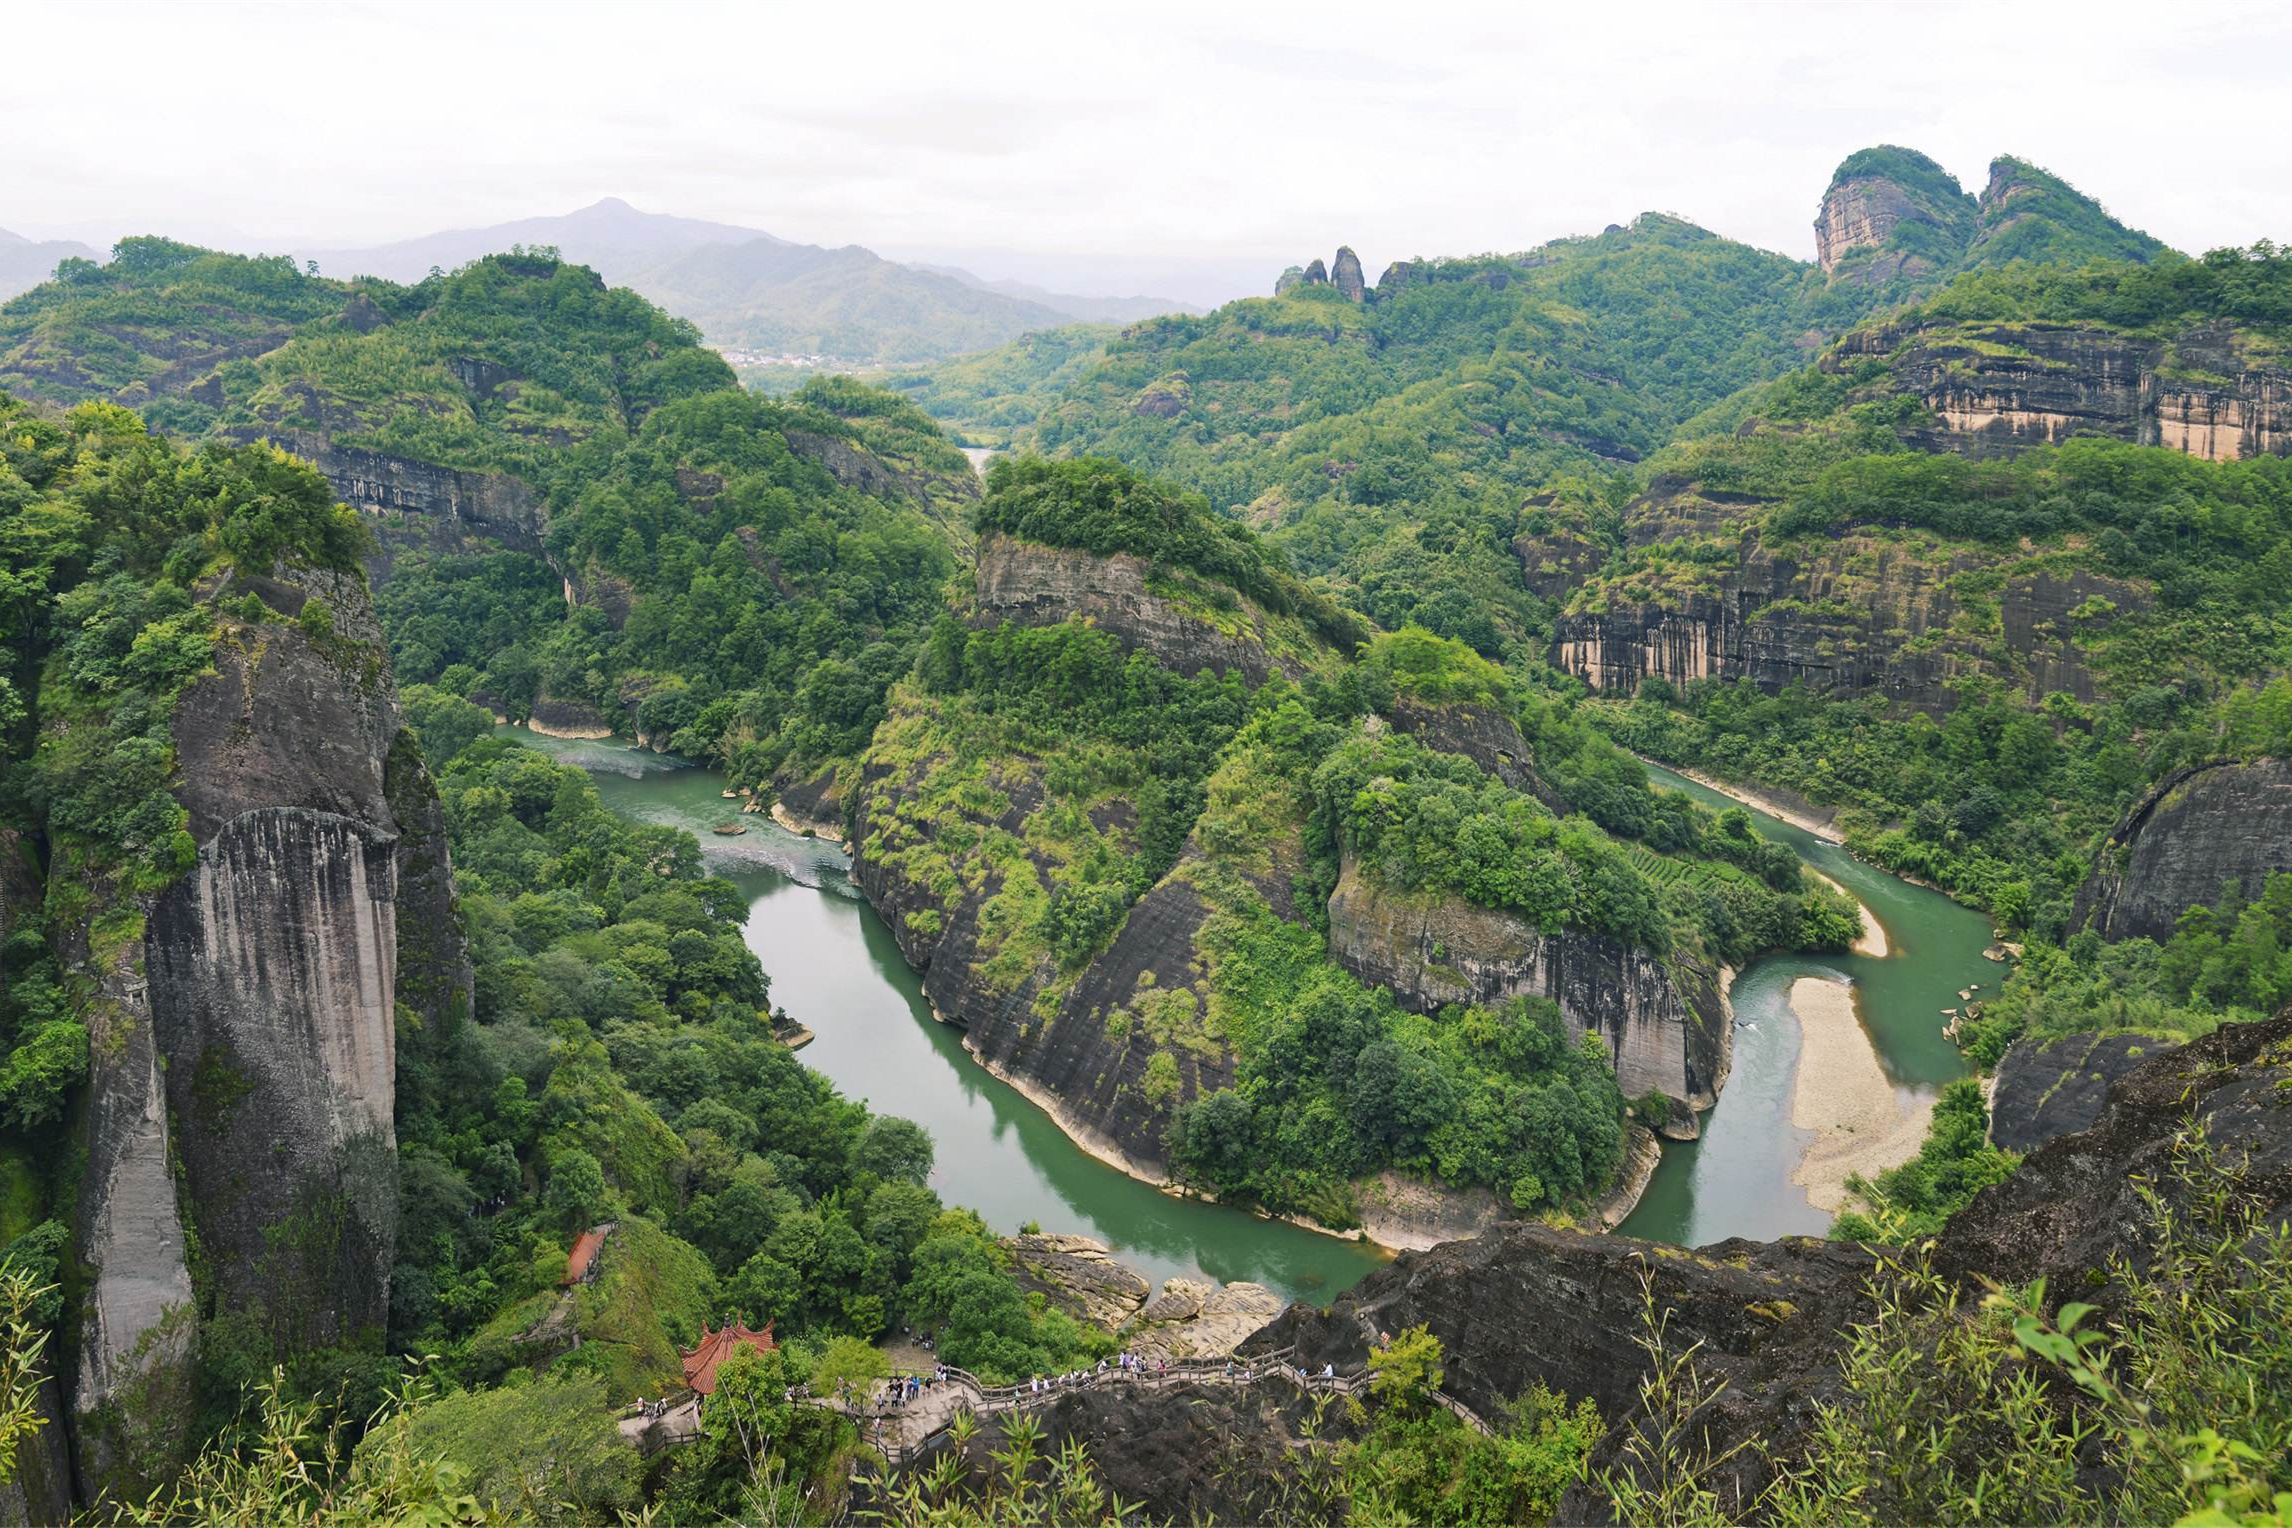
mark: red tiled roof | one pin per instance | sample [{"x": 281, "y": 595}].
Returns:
[
  {"x": 583, "y": 1257},
  {"x": 716, "y": 1346}
]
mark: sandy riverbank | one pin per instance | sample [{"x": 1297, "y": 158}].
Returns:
[
  {"x": 1841, "y": 1093},
  {"x": 1873, "y": 940}
]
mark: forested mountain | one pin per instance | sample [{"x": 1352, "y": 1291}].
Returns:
[
  {"x": 1386, "y": 437},
  {"x": 1245, "y": 765},
  {"x": 751, "y": 290},
  {"x": 547, "y": 455}
]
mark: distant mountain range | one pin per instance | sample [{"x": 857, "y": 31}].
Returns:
[
  {"x": 25, "y": 263},
  {"x": 750, "y": 290}
]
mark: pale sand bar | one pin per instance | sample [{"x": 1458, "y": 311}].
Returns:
[
  {"x": 1859, "y": 1121},
  {"x": 1872, "y": 941}
]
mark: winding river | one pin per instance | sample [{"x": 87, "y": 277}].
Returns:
[{"x": 835, "y": 969}]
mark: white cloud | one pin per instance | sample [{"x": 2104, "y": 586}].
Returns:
[{"x": 1223, "y": 132}]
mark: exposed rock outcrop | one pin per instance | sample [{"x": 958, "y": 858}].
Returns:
[
  {"x": 1527, "y": 1304},
  {"x": 1189, "y": 1319},
  {"x": 1863, "y": 213},
  {"x": 1194, "y": 1453},
  {"x": 1483, "y": 734},
  {"x": 865, "y": 472},
  {"x": 1078, "y": 1274},
  {"x": 1345, "y": 275},
  {"x": 2197, "y": 831},
  {"x": 244, "y": 1047},
  {"x": 429, "y": 504},
  {"x": 1862, "y": 613},
  {"x": 2001, "y": 387},
  {"x": 1084, "y": 1061},
  {"x": 1666, "y": 1028},
  {"x": 1032, "y": 585},
  {"x": 2047, "y": 1089}
]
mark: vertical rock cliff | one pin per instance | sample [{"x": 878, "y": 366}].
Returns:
[
  {"x": 244, "y": 1051},
  {"x": 1665, "y": 1026},
  {"x": 2199, "y": 830}
]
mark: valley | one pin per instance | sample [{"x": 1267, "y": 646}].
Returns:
[{"x": 1234, "y": 836}]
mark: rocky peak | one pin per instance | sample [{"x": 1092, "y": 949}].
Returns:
[
  {"x": 1315, "y": 275},
  {"x": 2029, "y": 213},
  {"x": 1345, "y": 274},
  {"x": 1895, "y": 201}
]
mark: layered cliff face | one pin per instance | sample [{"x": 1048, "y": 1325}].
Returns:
[
  {"x": 1893, "y": 218},
  {"x": 1999, "y": 387},
  {"x": 2199, "y": 830},
  {"x": 1665, "y": 1026},
  {"x": 1187, "y": 624},
  {"x": 420, "y": 502},
  {"x": 241, "y": 1091},
  {"x": 1890, "y": 213},
  {"x": 1899, "y": 615}
]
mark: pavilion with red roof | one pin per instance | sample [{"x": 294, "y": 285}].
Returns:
[{"x": 718, "y": 1345}]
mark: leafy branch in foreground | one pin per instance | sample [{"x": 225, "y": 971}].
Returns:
[{"x": 2174, "y": 1408}]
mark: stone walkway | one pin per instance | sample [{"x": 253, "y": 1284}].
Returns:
[
  {"x": 912, "y": 1427},
  {"x": 903, "y": 1431}
]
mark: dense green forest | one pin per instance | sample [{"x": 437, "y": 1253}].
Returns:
[
  {"x": 1422, "y": 494},
  {"x": 1251, "y": 799},
  {"x": 2000, "y": 800},
  {"x": 750, "y": 576}
]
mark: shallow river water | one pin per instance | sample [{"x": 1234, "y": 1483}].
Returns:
[{"x": 835, "y": 969}]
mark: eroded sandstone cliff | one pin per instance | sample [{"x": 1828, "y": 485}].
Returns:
[
  {"x": 1665, "y": 1026},
  {"x": 1997, "y": 387},
  {"x": 1187, "y": 624},
  {"x": 2199, "y": 830},
  {"x": 241, "y": 1089},
  {"x": 1900, "y": 615}
]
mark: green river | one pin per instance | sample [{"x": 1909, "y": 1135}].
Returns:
[{"x": 835, "y": 969}]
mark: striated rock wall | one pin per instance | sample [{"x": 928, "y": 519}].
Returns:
[
  {"x": 1862, "y": 213},
  {"x": 2198, "y": 830},
  {"x": 433, "y": 504},
  {"x": 1031, "y": 585},
  {"x": 1666, "y": 1029},
  {"x": 1862, "y": 614},
  {"x": 131, "y": 1373},
  {"x": 2002, "y": 387},
  {"x": 1090, "y": 1074},
  {"x": 273, "y": 977},
  {"x": 244, "y": 1047}
]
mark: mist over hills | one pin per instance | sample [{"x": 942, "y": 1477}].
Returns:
[
  {"x": 753, "y": 290},
  {"x": 25, "y": 263}
]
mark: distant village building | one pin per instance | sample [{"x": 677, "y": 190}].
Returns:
[{"x": 718, "y": 1345}]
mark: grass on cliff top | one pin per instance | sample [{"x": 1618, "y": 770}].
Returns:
[{"x": 1102, "y": 507}]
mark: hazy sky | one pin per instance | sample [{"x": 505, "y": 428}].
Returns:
[{"x": 1245, "y": 134}]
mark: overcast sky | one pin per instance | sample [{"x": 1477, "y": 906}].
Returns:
[{"x": 1245, "y": 135}]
